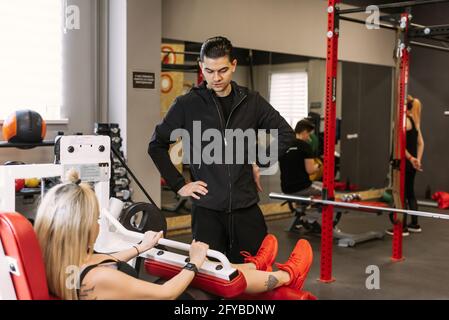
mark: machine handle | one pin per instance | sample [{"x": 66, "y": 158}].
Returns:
[{"x": 137, "y": 237}]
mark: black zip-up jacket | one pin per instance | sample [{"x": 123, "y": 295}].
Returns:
[{"x": 230, "y": 186}]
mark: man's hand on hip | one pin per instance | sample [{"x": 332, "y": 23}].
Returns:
[{"x": 192, "y": 189}]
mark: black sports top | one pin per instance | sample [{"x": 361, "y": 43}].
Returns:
[
  {"x": 412, "y": 139},
  {"x": 121, "y": 266}
]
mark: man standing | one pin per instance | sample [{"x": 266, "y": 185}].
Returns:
[{"x": 225, "y": 213}]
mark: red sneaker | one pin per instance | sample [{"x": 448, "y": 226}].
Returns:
[
  {"x": 298, "y": 264},
  {"x": 266, "y": 254}
]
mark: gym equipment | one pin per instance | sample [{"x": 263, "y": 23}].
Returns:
[
  {"x": 32, "y": 182},
  {"x": 92, "y": 164},
  {"x": 122, "y": 182},
  {"x": 22, "y": 270},
  {"x": 141, "y": 217},
  {"x": 312, "y": 222},
  {"x": 218, "y": 278},
  {"x": 24, "y": 126},
  {"x": 119, "y": 172},
  {"x": 19, "y": 184},
  {"x": 356, "y": 206},
  {"x": 124, "y": 194},
  {"x": 119, "y": 184},
  {"x": 404, "y": 30},
  {"x": 442, "y": 198}
]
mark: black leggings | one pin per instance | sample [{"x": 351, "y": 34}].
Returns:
[{"x": 410, "y": 198}]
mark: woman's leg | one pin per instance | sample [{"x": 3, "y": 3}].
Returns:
[
  {"x": 261, "y": 281},
  {"x": 244, "y": 266},
  {"x": 412, "y": 203}
]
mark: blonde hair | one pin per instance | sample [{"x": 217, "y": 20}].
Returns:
[
  {"x": 416, "y": 109},
  {"x": 65, "y": 228}
]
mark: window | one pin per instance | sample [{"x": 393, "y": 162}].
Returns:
[
  {"x": 288, "y": 94},
  {"x": 31, "y": 35}
]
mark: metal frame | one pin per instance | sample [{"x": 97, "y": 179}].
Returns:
[
  {"x": 355, "y": 206},
  {"x": 404, "y": 28},
  {"x": 415, "y": 30},
  {"x": 398, "y": 168},
  {"x": 395, "y": 5},
  {"x": 329, "y": 141},
  {"x": 429, "y": 46}
]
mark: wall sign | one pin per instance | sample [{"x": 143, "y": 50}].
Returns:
[{"x": 143, "y": 80}]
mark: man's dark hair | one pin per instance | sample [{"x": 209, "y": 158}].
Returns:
[
  {"x": 304, "y": 125},
  {"x": 216, "y": 47}
]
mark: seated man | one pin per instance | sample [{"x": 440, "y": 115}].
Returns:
[
  {"x": 67, "y": 227},
  {"x": 297, "y": 164}
]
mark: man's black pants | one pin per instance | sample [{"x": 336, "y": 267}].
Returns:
[{"x": 230, "y": 233}]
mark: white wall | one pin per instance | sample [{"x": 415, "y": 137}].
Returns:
[
  {"x": 135, "y": 45},
  {"x": 288, "y": 26},
  {"x": 79, "y": 98}
]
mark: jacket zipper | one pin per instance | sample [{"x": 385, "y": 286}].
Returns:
[{"x": 226, "y": 143}]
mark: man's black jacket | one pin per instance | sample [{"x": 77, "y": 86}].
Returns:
[{"x": 230, "y": 186}]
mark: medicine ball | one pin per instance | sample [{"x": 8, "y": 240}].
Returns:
[{"x": 24, "y": 126}]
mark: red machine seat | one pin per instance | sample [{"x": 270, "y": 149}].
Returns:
[{"x": 20, "y": 242}]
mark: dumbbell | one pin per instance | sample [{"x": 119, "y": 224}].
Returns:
[
  {"x": 116, "y": 163},
  {"x": 122, "y": 182},
  {"x": 124, "y": 194},
  {"x": 119, "y": 172},
  {"x": 116, "y": 140},
  {"x": 114, "y": 128}
]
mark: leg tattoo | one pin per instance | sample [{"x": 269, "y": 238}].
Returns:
[{"x": 271, "y": 282}]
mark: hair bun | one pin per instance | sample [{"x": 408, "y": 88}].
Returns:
[{"x": 72, "y": 176}]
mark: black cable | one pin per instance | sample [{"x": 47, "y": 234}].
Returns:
[{"x": 122, "y": 161}]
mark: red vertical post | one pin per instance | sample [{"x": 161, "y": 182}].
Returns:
[
  {"x": 329, "y": 141},
  {"x": 400, "y": 144}
]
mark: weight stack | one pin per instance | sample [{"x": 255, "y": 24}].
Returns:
[{"x": 120, "y": 182}]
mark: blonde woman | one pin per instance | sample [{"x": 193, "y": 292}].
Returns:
[
  {"x": 414, "y": 151},
  {"x": 67, "y": 227}
]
